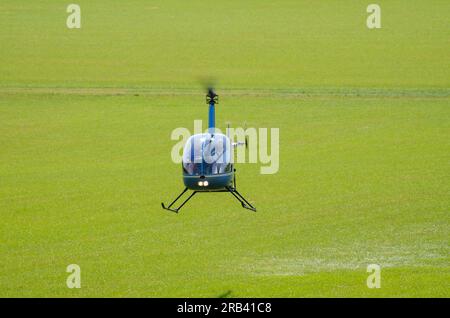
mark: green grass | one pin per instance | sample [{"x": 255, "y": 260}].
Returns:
[
  {"x": 245, "y": 44},
  {"x": 85, "y": 123}
]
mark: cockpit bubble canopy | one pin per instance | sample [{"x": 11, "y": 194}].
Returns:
[{"x": 207, "y": 154}]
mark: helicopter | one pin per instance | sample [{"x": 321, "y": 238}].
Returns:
[{"x": 207, "y": 163}]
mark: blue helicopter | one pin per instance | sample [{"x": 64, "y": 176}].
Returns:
[{"x": 207, "y": 163}]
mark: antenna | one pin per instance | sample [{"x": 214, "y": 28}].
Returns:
[{"x": 245, "y": 135}]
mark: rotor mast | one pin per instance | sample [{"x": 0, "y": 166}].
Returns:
[{"x": 212, "y": 99}]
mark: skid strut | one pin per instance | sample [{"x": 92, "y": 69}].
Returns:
[
  {"x": 169, "y": 208},
  {"x": 245, "y": 204}
]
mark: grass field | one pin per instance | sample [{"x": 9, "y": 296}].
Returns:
[{"x": 85, "y": 123}]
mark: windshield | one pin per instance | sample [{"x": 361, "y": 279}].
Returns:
[{"x": 206, "y": 154}]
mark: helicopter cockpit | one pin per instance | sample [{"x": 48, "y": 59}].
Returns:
[{"x": 207, "y": 154}]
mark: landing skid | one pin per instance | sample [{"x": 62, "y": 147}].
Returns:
[{"x": 245, "y": 204}]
